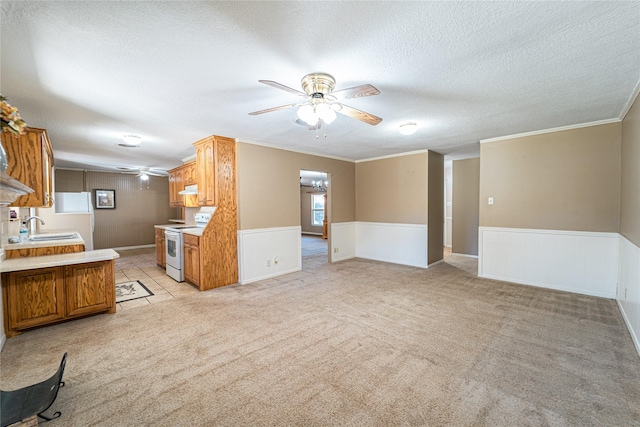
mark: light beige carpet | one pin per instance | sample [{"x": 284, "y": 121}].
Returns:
[{"x": 356, "y": 343}]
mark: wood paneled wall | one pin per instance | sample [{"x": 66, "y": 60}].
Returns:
[{"x": 138, "y": 209}]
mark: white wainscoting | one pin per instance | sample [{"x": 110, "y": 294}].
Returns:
[
  {"x": 574, "y": 261},
  {"x": 629, "y": 287},
  {"x": 343, "y": 238},
  {"x": 259, "y": 246},
  {"x": 397, "y": 243}
]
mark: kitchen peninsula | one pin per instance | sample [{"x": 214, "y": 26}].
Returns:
[{"x": 39, "y": 290}]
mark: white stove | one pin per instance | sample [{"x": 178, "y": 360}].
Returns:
[{"x": 174, "y": 245}]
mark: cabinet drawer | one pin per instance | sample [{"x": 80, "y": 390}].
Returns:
[{"x": 190, "y": 240}]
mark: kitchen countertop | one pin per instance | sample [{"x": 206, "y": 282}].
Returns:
[
  {"x": 44, "y": 243},
  {"x": 35, "y": 262},
  {"x": 195, "y": 231}
]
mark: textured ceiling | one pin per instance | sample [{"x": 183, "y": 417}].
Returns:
[{"x": 175, "y": 72}]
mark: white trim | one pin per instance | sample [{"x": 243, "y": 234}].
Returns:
[
  {"x": 125, "y": 248},
  {"x": 628, "y": 292},
  {"x": 3, "y": 339},
  {"x": 343, "y": 237},
  {"x": 543, "y": 131},
  {"x": 264, "y": 144},
  {"x": 258, "y": 249},
  {"x": 189, "y": 158},
  {"x": 435, "y": 263},
  {"x": 465, "y": 255},
  {"x": 634, "y": 338},
  {"x": 404, "y": 244},
  {"x": 408, "y": 153},
  {"x": 630, "y": 102},
  {"x": 574, "y": 261}
]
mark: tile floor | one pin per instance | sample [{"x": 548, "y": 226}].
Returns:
[{"x": 140, "y": 264}]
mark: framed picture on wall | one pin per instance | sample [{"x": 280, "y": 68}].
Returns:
[{"x": 105, "y": 199}]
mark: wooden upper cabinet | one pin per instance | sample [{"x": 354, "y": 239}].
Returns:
[
  {"x": 179, "y": 178},
  {"x": 30, "y": 161},
  {"x": 206, "y": 167},
  {"x": 190, "y": 177},
  {"x": 173, "y": 202}
]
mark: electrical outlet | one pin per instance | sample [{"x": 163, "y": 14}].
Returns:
[
  {"x": 275, "y": 260},
  {"x": 268, "y": 263},
  {"x": 336, "y": 250}
]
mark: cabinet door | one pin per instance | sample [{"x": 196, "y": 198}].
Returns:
[
  {"x": 160, "y": 250},
  {"x": 27, "y": 165},
  {"x": 47, "y": 171},
  {"x": 179, "y": 173},
  {"x": 191, "y": 259},
  {"x": 90, "y": 288},
  {"x": 34, "y": 297},
  {"x": 172, "y": 190}
]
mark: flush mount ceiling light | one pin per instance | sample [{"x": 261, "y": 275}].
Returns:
[
  {"x": 131, "y": 141},
  {"x": 408, "y": 128}
]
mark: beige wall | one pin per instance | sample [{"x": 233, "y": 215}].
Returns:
[
  {"x": 305, "y": 211},
  {"x": 392, "y": 190},
  {"x": 568, "y": 180},
  {"x": 630, "y": 182},
  {"x": 69, "y": 181},
  {"x": 269, "y": 186},
  {"x": 466, "y": 194},
  {"x": 435, "y": 223}
]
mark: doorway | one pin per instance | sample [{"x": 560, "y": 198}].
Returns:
[{"x": 314, "y": 218}]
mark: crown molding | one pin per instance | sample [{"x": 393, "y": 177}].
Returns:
[
  {"x": 552, "y": 130},
  {"x": 408, "y": 153},
  {"x": 630, "y": 102},
  {"x": 294, "y": 151}
]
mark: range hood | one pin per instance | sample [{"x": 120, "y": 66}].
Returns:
[{"x": 189, "y": 189}]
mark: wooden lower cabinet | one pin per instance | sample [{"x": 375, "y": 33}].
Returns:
[
  {"x": 191, "y": 259},
  {"x": 43, "y": 296},
  {"x": 88, "y": 289},
  {"x": 49, "y": 250},
  {"x": 161, "y": 255}
]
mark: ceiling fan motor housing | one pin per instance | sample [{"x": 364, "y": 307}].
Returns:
[{"x": 318, "y": 83}]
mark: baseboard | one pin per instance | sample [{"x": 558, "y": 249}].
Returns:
[
  {"x": 126, "y": 248},
  {"x": 3, "y": 339},
  {"x": 464, "y": 255},
  {"x": 435, "y": 263},
  {"x": 634, "y": 338},
  {"x": 313, "y": 234},
  {"x": 269, "y": 276}
]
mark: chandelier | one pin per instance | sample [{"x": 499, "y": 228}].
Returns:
[{"x": 320, "y": 185}]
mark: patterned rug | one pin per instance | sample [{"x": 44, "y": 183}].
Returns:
[{"x": 128, "y": 291}]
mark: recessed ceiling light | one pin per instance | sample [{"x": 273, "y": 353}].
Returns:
[{"x": 408, "y": 128}]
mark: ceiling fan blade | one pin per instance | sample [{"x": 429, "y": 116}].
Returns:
[
  {"x": 355, "y": 92},
  {"x": 268, "y": 110},
  {"x": 283, "y": 87},
  {"x": 356, "y": 114}
]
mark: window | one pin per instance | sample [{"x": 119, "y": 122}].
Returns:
[{"x": 317, "y": 209}]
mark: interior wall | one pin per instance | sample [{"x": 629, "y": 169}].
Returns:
[
  {"x": 269, "y": 186},
  {"x": 466, "y": 208},
  {"x": 137, "y": 210},
  {"x": 568, "y": 180},
  {"x": 69, "y": 181},
  {"x": 448, "y": 203},
  {"x": 435, "y": 197},
  {"x": 393, "y": 190},
  {"x": 305, "y": 211},
  {"x": 630, "y": 176}
]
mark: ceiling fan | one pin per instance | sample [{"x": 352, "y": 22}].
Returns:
[
  {"x": 321, "y": 104},
  {"x": 143, "y": 172}
]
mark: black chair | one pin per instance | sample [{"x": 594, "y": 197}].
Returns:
[{"x": 33, "y": 400}]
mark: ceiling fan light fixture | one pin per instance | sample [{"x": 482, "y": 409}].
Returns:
[
  {"x": 307, "y": 113},
  {"x": 326, "y": 113},
  {"x": 408, "y": 128},
  {"x": 132, "y": 140},
  {"x": 144, "y": 176}
]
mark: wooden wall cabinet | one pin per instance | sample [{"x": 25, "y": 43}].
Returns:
[
  {"x": 206, "y": 169},
  {"x": 48, "y": 250},
  {"x": 191, "y": 259},
  {"x": 161, "y": 255},
  {"x": 39, "y": 297},
  {"x": 30, "y": 161},
  {"x": 179, "y": 178}
]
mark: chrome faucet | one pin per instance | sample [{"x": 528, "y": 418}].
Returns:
[{"x": 27, "y": 220}]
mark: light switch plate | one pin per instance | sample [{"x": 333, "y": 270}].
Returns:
[{"x": 490, "y": 200}]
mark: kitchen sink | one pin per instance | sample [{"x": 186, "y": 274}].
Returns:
[{"x": 53, "y": 236}]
